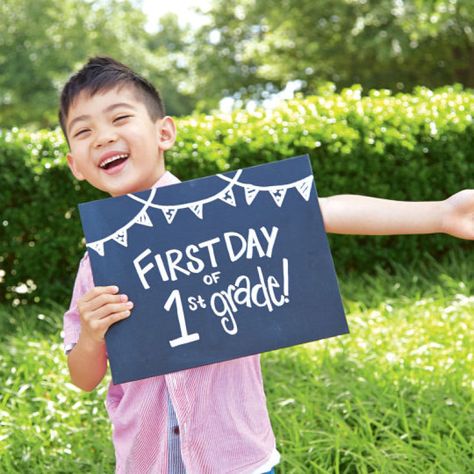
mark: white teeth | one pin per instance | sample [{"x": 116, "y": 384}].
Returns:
[{"x": 113, "y": 158}]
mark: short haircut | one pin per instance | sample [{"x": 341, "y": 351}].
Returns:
[{"x": 102, "y": 74}]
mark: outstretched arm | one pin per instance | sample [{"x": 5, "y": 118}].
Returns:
[{"x": 363, "y": 215}]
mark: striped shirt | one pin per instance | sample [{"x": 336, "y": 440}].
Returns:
[
  {"x": 220, "y": 411},
  {"x": 175, "y": 461}
]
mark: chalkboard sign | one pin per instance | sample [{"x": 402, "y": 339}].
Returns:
[{"x": 218, "y": 268}]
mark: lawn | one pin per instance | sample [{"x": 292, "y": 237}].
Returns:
[{"x": 396, "y": 395}]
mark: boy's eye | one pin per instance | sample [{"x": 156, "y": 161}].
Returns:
[
  {"x": 121, "y": 117},
  {"x": 81, "y": 132}
]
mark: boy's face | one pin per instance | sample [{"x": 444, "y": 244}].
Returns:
[{"x": 114, "y": 144}]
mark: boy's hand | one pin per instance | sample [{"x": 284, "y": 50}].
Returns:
[
  {"x": 458, "y": 214},
  {"x": 99, "y": 308}
]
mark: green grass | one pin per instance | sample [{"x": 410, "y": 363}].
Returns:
[{"x": 395, "y": 396}]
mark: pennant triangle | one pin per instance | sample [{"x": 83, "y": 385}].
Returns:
[
  {"x": 250, "y": 194},
  {"x": 169, "y": 213},
  {"x": 228, "y": 197},
  {"x": 304, "y": 187},
  {"x": 278, "y": 196},
  {"x": 121, "y": 237},
  {"x": 144, "y": 219},
  {"x": 197, "y": 209},
  {"x": 98, "y": 247}
]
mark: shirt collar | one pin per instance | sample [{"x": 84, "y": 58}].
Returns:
[{"x": 166, "y": 179}]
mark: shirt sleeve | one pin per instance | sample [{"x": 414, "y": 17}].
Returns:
[{"x": 72, "y": 323}]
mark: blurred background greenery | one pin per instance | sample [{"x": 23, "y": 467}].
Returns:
[
  {"x": 239, "y": 49},
  {"x": 383, "y": 105}
]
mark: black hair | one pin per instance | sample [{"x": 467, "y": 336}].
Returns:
[{"x": 101, "y": 74}]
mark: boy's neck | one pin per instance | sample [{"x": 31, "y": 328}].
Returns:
[{"x": 162, "y": 176}]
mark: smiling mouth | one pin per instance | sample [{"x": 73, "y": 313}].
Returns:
[{"x": 114, "y": 161}]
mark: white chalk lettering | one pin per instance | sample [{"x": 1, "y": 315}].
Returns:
[
  {"x": 233, "y": 255},
  {"x": 192, "y": 303},
  {"x": 194, "y": 258},
  {"x": 273, "y": 283},
  {"x": 211, "y": 278},
  {"x": 254, "y": 243},
  {"x": 190, "y": 250},
  {"x": 173, "y": 263},
  {"x": 270, "y": 239},
  {"x": 261, "y": 287},
  {"x": 237, "y": 245},
  {"x": 161, "y": 267},
  {"x": 242, "y": 293},
  {"x": 141, "y": 272},
  {"x": 210, "y": 248},
  {"x": 185, "y": 338},
  {"x": 225, "y": 303},
  {"x": 225, "y": 313}
]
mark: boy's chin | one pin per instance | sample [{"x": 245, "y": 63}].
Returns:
[
  {"x": 129, "y": 182},
  {"x": 128, "y": 189}
]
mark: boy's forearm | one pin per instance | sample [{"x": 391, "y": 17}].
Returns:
[
  {"x": 87, "y": 364},
  {"x": 363, "y": 215}
]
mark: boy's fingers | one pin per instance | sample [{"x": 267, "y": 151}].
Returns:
[
  {"x": 98, "y": 327},
  {"x": 99, "y": 290},
  {"x": 113, "y": 318},
  {"x": 111, "y": 309},
  {"x": 104, "y": 299}
]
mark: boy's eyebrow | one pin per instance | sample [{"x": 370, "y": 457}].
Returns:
[{"x": 110, "y": 108}]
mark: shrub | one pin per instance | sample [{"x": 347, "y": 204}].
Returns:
[{"x": 405, "y": 147}]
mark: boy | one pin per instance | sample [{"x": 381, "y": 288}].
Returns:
[{"x": 210, "y": 419}]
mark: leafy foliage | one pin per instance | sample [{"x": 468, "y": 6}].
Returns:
[
  {"x": 42, "y": 42},
  {"x": 261, "y": 44},
  {"x": 247, "y": 49},
  {"x": 406, "y": 147}
]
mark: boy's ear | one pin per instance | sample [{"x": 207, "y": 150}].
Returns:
[
  {"x": 166, "y": 130},
  {"x": 72, "y": 166}
]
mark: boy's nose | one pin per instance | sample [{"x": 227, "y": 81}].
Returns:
[{"x": 105, "y": 137}]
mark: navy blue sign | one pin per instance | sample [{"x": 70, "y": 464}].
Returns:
[{"x": 218, "y": 268}]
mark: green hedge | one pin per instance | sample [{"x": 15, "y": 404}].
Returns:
[{"x": 408, "y": 147}]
